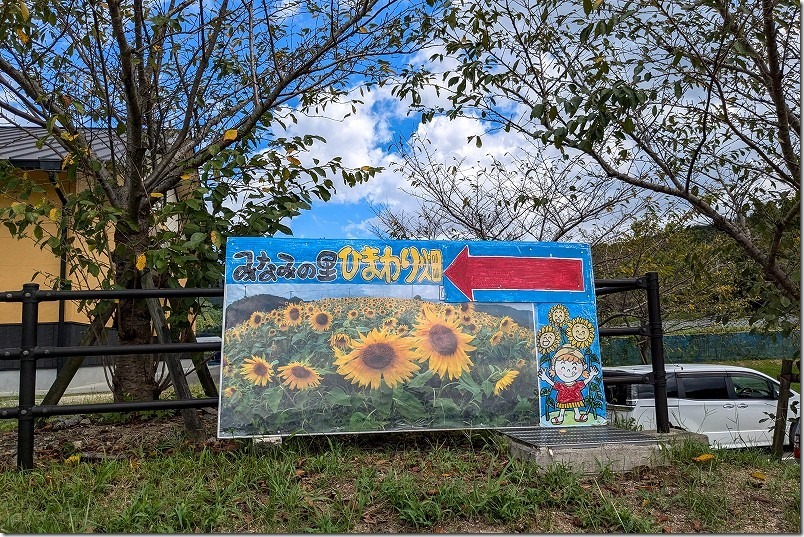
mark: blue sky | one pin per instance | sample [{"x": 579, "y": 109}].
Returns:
[{"x": 367, "y": 137}]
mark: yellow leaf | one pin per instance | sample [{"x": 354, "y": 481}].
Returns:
[
  {"x": 703, "y": 458},
  {"x": 54, "y": 214},
  {"x": 230, "y": 135},
  {"x": 216, "y": 238},
  {"x": 645, "y": 502},
  {"x": 157, "y": 195},
  {"x": 365, "y": 168},
  {"x": 186, "y": 176},
  {"x": 362, "y": 30},
  {"x": 23, "y": 37},
  {"x": 140, "y": 261},
  {"x": 72, "y": 460},
  {"x": 24, "y": 11},
  {"x": 293, "y": 160},
  {"x": 758, "y": 475},
  {"x": 69, "y": 137},
  {"x": 597, "y": 3}
]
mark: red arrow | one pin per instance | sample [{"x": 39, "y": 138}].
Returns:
[{"x": 472, "y": 273}]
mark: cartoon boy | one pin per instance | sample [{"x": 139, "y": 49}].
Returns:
[{"x": 569, "y": 366}]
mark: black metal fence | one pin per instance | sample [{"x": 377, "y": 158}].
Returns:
[{"x": 29, "y": 352}]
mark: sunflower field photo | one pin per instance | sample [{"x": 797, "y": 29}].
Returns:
[{"x": 372, "y": 363}]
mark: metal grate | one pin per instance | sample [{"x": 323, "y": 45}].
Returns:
[{"x": 594, "y": 435}]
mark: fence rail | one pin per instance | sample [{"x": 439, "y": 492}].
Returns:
[{"x": 29, "y": 352}]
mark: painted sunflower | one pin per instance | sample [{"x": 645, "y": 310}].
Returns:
[
  {"x": 390, "y": 322},
  {"x": 580, "y": 332},
  {"x": 506, "y": 324},
  {"x": 257, "y": 370},
  {"x": 547, "y": 339},
  {"x": 320, "y": 321},
  {"x": 558, "y": 314},
  {"x": 293, "y": 315},
  {"x": 467, "y": 307},
  {"x": 506, "y": 380},
  {"x": 299, "y": 376},
  {"x": 229, "y": 391},
  {"x": 352, "y": 314},
  {"x": 377, "y": 356},
  {"x": 441, "y": 342}
]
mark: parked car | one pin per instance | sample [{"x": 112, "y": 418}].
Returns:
[{"x": 731, "y": 405}]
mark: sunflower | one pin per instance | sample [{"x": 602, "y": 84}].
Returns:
[
  {"x": 229, "y": 391},
  {"x": 292, "y": 315},
  {"x": 467, "y": 307},
  {"x": 449, "y": 311},
  {"x": 496, "y": 338},
  {"x": 558, "y": 314},
  {"x": 257, "y": 318},
  {"x": 320, "y": 320},
  {"x": 390, "y": 322},
  {"x": 506, "y": 323},
  {"x": 257, "y": 370},
  {"x": 580, "y": 332},
  {"x": 299, "y": 376},
  {"x": 352, "y": 314},
  {"x": 369, "y": 313},
  {"x": 547, "y": 339},
  {"x": 377, "y": 356},
  {"x": 441, "y": 342},
  {"x": 340, "y": 341},
  {"x": 505, "y": 381}
]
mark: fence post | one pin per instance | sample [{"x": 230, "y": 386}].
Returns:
[
  {"x": 657, "y": 352},
  {"x": 27, "y": 395}
]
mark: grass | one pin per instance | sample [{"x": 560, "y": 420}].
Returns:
[{"x": 457, "y": 482}]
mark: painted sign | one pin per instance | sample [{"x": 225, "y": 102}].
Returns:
[{"x": 324, "y": 336}]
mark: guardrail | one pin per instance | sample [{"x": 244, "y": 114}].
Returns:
[{"x": 29, "y": 352}]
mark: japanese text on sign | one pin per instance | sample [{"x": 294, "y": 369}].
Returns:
[{"x": 367, "y": 264}]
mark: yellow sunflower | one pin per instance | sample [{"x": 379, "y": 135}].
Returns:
[
  {"x": 506, "y": 380},
  {"x": 257, "y": 370},
  {"x": 320, "y": 320},
  {"x": 352, "y": 314},
  {"x": 377, "y": 356},
  {"x": 506, "y": 323},
  {"x": 229, "y": 391},
  {"x": 390, "y": 322},
  {"x": 293, "y": 315},
  {"x": 467, "y": 307},
  {"x": 257, "y": 318},
  {"x": 558, "y": 314},
  {"x": 441, "y": 342},
  {"x": 496, "y": 338},
  {"x": 340, "y": 341},
  {"x": 580, "y": 332},
  {"x": 449, "y": 311},
  {"x": 299, "y": 376},
  {"x": 547, "y": 339}
]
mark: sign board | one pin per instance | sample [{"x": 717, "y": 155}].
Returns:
[{"x": 327, "y": 336}]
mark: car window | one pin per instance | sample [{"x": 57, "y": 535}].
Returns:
[
  {"x": 705, "y": 387},
  {"x": 645, "y": 391},
  {"x": 751, "y": 387}
]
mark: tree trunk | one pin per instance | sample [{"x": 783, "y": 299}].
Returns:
[{"x": 134, "y": 376}]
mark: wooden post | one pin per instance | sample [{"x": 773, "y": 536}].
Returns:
[{"x": 191, "y": 422}]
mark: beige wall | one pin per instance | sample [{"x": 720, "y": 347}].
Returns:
[{"x": 23, "y": 261}]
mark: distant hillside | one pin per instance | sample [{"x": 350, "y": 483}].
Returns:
[
  {"x": 241, "y": 310},
  {"x": 523, "y": 318}
]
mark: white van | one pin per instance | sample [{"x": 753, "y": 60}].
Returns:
[{"x": 731, "y": 405}]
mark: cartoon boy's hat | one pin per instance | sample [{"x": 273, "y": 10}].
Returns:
[{"x": 568, "y": 350}]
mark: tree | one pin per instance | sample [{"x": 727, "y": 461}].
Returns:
[
  {"x": 694, "y": 103},
  {"x": 143, "y": 96},
  {"x": 522, "y": 196}
]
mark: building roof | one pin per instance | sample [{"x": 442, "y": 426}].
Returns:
[{"x": 18, "y": 145}]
